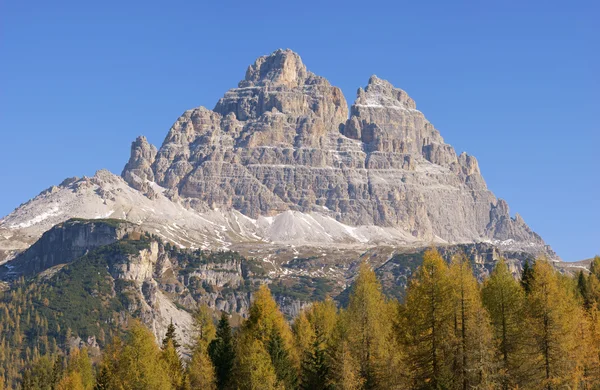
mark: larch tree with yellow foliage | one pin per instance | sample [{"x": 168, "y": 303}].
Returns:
[
  {"x": 267, "y": 327},
  {"x": 553, "y": 315},
  {"x": 504, "y": 299},
  {"x": 313, "y": 330},
  {"x": 430, "y": 333},
  {"x": 472, "y": 365},
  {"x": 200, "y": 369},
  {"x": 370, "y": 334}
]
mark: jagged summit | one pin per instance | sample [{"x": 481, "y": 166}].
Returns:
[
  {"x": 281, "y": 83},
  {"x": 381, "y": 93},
  {"x": 282, "y": 67}
]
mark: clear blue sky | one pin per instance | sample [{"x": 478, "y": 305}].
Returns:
[{"x": 514, "y": 84}]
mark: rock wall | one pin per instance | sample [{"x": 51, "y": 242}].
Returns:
[{"x": 283, "y": 141}]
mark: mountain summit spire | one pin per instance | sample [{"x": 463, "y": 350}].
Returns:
[{"x": 282, "y": 67}]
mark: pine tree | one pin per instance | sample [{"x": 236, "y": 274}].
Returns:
[
  {"x": 504, "y": 299},
  {"x": 222, "y": 353},
  {"x": 344, "y": 371},
  {"x": 430, "y": 324},
  {"x": 72, "y": 381},
  {"x": 285, "y": 371},
  {"x": 582, "y": 288},
  {"x": 595, "y": 266},
  {"x": 313, "y": 330},
  {"x": 170, "y": 336},
  {"x": 79, "y": 362},
  {"x": 204, "y": 324},
  {"x": 527, "y": 276},
  {"x": 102, "y": 379}
]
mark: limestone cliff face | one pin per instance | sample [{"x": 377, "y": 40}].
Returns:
[
  {"x": 283, "y": 140},
  {"x": 64, "y": 243}
]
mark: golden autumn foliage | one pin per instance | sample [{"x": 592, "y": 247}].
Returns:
[{"x": 451, "y": 332}]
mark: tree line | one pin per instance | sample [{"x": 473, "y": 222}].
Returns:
[{"x": 541, "y": 331}]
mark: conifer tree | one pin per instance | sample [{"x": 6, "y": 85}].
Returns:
[
  {"x": 472, "y": 360},
  {"x": 222, "y": 353},
  {"x": 553, "y": 314},
  {"x": 527, "y": 276},
  {"x": 504, "y": 300},
  {"x": 430, "y": 324},
  {"x": 369, "y": 331},
  {"x": 313, "y": 330},
  {"x": 170, "y": 336},
  {"x": 79, "y": 362},
  {"x": 582, "y": 288},
  {"x": 138, "y": 363},
  {"x": 595, "y": 266},
  {"x": 285, "y": 371},
  {"x": 344, "y": 371},
  {"x": 102, "y": 379},
  {"x": 71, "y": 381},
  {"x": 253, "y": 367},
  {"x": 204, "y": 324},
  {"x": 173, "y": 365},
  {"x": 200, "y": 370},
  {"x": 267, "y": 325}
]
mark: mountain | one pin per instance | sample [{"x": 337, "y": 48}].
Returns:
[{"x": 280, "y": 161}]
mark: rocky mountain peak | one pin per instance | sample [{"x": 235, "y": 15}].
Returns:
[
  {"x": 381, "y": 93},
  {"x": 282, "y": 67},
  {"x": 138, "y": 170},
  {"x": 278, "y": 158},
  {"x": 280, "y": 83}
]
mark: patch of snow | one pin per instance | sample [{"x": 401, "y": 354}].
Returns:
[{"x": 37, "y": 219}]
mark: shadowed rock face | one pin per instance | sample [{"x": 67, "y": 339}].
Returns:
[
  {"x": 283, "y": 141},
  {"x": 64, "y": 243}
]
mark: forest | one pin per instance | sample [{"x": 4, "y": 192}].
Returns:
[{"x": 539, "y": 331}]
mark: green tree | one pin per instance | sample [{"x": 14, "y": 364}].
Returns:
[
  {"x": 285, "y": 371},
  {"x": 222, "y": 353},
  {"x": 79, "y": 363},
  {"x": 201, "y": 372},
  {"x": 170, "y": 336},
  {"x": 582, "y": 288},
  {"x": 527, "y": 276},
  {"x": 313, "y": 330}
]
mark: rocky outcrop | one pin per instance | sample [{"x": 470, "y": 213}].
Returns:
[
  {"x": 138, "y": 171},
  {"x": 282, "y": 141},
  {"x": 64, "y": 243}
]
